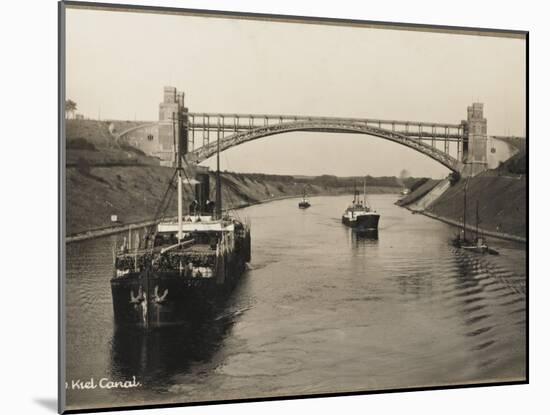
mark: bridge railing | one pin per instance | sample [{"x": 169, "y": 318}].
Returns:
[
  {"x": 338, "y": 126},
  {"x": 227, "y": 123},
  {"x": 274, "y": 118}
]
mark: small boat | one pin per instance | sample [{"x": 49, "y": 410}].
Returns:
[
  {"x": 478, "y": 243},
  {"x": 304, "y": 203},
  {"x": 359, "y": 215},
  {"x": 478, "y": 246}
]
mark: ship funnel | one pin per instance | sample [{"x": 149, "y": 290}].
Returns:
[{"x": 202, "y": 191}]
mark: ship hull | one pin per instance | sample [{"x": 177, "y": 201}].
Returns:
[
  {"x": 154, "y": 299},
  {"x": 362, "y": 223}
]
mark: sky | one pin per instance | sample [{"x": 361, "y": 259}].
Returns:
[{"x": 117, "y": 64}]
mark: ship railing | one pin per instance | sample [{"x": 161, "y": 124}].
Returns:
[
  {"x": 181, "y": 244},
  {"x": 169, "y": 261}
]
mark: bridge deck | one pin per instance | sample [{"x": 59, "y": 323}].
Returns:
[{"x": 227, "y": 123}]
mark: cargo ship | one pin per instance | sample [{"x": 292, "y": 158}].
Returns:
[
  {"x": 180, "y": 268},
  {"x": 359, "y": 215}
]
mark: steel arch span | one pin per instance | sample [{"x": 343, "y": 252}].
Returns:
[{"x": 331, "y": 126}]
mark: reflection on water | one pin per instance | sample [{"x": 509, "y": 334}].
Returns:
[
  {"x": 321, "y": 309},
  {"x": 365, "y": 237},
  {"x": 152, "y": 356}
]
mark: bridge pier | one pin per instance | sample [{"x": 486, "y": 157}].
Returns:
[
  {"x": 172, "y": 126},
  {"x": 475, "y": 141}
]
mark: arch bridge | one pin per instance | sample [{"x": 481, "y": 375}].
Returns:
[
  {"x": 461, "y": 147},
  {"x": 206, "y": 130}
]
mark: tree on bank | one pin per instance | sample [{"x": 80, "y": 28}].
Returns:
[{"x": 70, "y": 108}]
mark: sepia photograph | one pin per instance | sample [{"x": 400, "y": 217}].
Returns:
[{"x": 264, "y": 206}]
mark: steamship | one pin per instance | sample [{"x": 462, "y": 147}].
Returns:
[
  {"x": 359, "y": 215},
  {"x": 304, "y": 203},
  {"x": 179, "y": 270}
]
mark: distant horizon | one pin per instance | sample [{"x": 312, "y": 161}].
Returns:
[{"x": 301, "y": 176}]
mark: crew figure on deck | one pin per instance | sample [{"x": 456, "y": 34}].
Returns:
[
  {"x": 210, "y": 206},
  {"x": 193, "y": 207}
]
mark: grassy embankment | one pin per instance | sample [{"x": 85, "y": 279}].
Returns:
[
  {"x": 104, "y": 177},
  {"x": 501, "y": 194},
  {"x": 418, "y": 191}
]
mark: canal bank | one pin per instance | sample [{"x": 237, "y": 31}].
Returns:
[
  {"x": 111, "y": 230},
  {"x": 471, "y": 228},
  {"x": 500, "y": 202}
]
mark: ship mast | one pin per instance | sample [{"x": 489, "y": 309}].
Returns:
[
  {"x": 218, "y": 181},
  {"x": 180, "y": 207},
  {"x": 180, "y": 183},
  {"x": 365, "y": 191},
  {"x": 464, "y": 216}
]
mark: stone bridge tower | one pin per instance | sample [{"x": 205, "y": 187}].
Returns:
[
  {"x": 475, "y": 141},
  {"x": 172, "y": 125}
]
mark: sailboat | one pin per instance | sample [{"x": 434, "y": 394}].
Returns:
[
  {"x": 478, "y": 243},
  {"x": 180, "y": 269},
  {"x": 359, "y": 215},
  {"x": 304, "y": 203}
]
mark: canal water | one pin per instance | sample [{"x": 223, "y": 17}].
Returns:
[{"x": 320, "y": 310}]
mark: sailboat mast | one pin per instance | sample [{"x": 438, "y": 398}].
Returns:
[
  {"x": 365, "y": 191},
  {"x": 464, "y": 216},
  {"x": 477, "y": 219}
]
